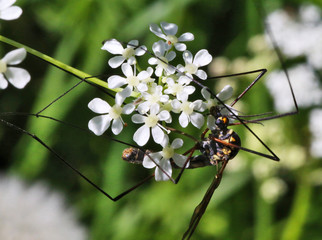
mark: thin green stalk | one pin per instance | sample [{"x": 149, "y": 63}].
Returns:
[
  {"x": 295, "y": 223},
  {"x": 263, "y": 217},
  {"x": 71, "y": 70}
]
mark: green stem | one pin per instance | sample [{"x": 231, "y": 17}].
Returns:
[
  {"x": 295, "y": 224},
  {"x": 73, "y": 71},
  {"x": 263, "y": 216}
]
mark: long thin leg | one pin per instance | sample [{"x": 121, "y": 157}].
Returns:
[
  {"x": 72, "y": 88},
  {"x": 201, "y": 208},
  {"x": 72, "y": 167},
  {"x": 260, "y": 75}
]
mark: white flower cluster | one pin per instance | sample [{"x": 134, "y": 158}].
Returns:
[
  {"x": 36, "y": 212},
  {"x": 298, "y": 36},
  {"x": 162, "y": 90}
]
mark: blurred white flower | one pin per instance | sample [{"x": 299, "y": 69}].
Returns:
[
  {"x": 272, "y": 189},
  {"x": 305, "y": 84},
  {"x": 263, "y": 168},
  {"x": 299, "y": 37},
  {"x": 32, "y": 212},
  {"x": 9, "y": 12},
  {"x": 315, "y": 120},
  {"x": 18, "y": 77}
]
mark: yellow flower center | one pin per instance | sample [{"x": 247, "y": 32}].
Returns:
[
  {"x": 128, "y": 52},
  {"x": 133, "y": 81},
  {"x": 167, "y": 152},
  {"x": 115, "y": 111},
  {"x": 185, "y": 107},
  {"x": 151, "y": 120},
  {"x": 191, "y": 68},
  {"x": 3, "y": 66},
  {"x": 171, "y": 39}
]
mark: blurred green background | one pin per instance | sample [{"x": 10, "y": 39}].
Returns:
[{"x": 257, "y": 199}]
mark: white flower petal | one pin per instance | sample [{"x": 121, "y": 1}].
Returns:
[
  {"x": 155, "y": 108},
  {"x": 171, "y": 55},
  {"x": 202, "y": 58},
  {"x": 169, "y": 28},
  {"x": 157, "y": 30},
  {"x": 113, "y": 46},
  {"x": 3, "y": 82},
  {"x": 6, "y": 3},
  {"x": 182, "y": 96},
  {"x": 177, "y": 143},
  {"x": 128, "y": 108},
  {"x": 158, "y": 71},
  {"x": 186, "y": 37},
  {"x": 137, "y": 118},
  {"x": 99, "y": 124},
  {"x": 197, "y": 119},
  {"x": 15, "y": 57},
  {"x": 143, "y": 75},
  {"x": 187, "y": 57},
  {"x": 183, "y": 120},
  {"x": 115, "y": 81},
  {"x": 175, "y": 104},
  {"x": 11, "y": 13},
  {"x": 142, "y": 135},
  {"x": 143, "y": 108},
  {"x": 159, "y": 175},
  {"x": 140, "y": 50},
  {"x": 189, "y": 89},
  {"x": 196, "y": 105},
  {"x": 133, "y": 44},
  {"x": 164, "y": 98},
  {"x": 225, "y": 93},
  {"x": 142, "y": 87},
  {"x": 201, "y": 74},
  {"x": 159, "y": 47},
  {"x": 165, "y": 141},
  {"x": 131, "y": 60},
  {"x": 164, "y": 115},
  {"x": 117, "y": 126},
  {"x": 127, "y": 70},
  {"x": 98, "y": 105},
  {"x": 116, "y": 61},
  {"x": 180, "y": 160},
  {"x": 148, "y": 163},
  {"x": 153, "y": 61},
  {"x": 157, "y": 134},
  {"x": 121, "y": 96},
  {"x": 180, "y": 46},
  {"x": 18, "y": 77},
  {"x": 211, "y": 122},
  {"x": 206, "y": 94}
]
